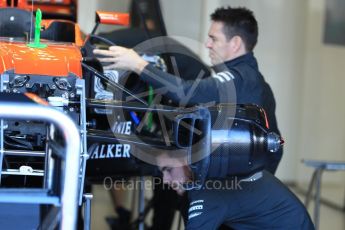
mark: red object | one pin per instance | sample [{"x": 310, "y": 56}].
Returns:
[
  {"x": 112, "y": 18},
  {"x": 267, "y": 125},
  {"x": 36, "y": 99}
]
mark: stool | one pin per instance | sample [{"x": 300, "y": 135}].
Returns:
[{"x": 319, "y": 166}]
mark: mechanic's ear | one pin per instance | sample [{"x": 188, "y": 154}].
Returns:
[{"x": 236, "y": 43}]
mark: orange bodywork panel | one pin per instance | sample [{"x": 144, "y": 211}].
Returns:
[
  {"x": 54, "y": 60},
  {"x": 112, "y": 18}
]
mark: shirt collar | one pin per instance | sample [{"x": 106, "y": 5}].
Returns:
[{"x": 248, "y": 58}]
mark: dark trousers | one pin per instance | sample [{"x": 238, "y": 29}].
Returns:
[{"x": 165, "y": 202}]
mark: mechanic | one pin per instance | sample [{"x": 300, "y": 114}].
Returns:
[
  {"x": 252, "y": 203},
  {"x": 232, "y": 38}
]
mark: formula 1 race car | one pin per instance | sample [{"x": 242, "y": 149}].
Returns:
[{"x": 120, "y": 131}]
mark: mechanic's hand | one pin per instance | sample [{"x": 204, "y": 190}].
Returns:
[{"x": 122, "y": 58}]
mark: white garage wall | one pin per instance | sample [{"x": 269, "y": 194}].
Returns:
[
  {"x": 323, "y": 112},
  {"x": 86, "y": 14},
  {"x": 181, "y": 21}
]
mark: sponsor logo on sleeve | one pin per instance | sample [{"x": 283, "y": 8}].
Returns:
[
  {"x": 224, "y": 76},
  {"x": 195, "y": 208}
]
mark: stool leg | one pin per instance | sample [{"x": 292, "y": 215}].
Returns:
[
  {"x": 87, "y": 211},
  {"x": 141, "y": 203},
  {"x": 344, "y": 204},
  {"x": 310, "y": 189},
  {"x": 317, "y": 198}
]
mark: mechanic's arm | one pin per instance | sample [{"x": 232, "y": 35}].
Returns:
[{"x": 192, "y": 92}]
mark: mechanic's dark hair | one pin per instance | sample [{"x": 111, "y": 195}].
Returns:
[{"x": 238, "y": 22}]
